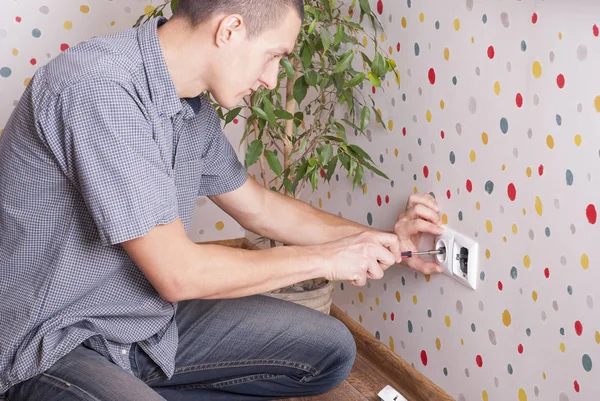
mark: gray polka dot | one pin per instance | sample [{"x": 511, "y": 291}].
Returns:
[
  {"x": 555, "y": 306},
  {"x": 529, "y": 133},
  {"x": 44, "y": 10},
  {"x": 496, "y": 381},
  {"x": 402, "y": 345},
  {"x": 536, "y": 99},
  {"x": 557, "y": 203},
  {"x": 459, "y": 307},
  {"x": 441, "y": 290},
  {"x": 368, "y": 284},
  {"x": 410, "y": 157},
  {"x": 393, "y": 102},
  {"x": 385, "y": 286},
  {"x": 402, "y": 167},
  {"x": 590, "y": 302},
  {"x": 476, "y": 234},
  {"x": 504, "y": 20},
  {"x": 508, "y": 66},
  {"x": 409, "y": 72},
  {"x": 589, "y": 176},
  {"x": 492, "y": 337},
  {"x": 573, "y": 229},
  {"x": 3, "y": 33},
  {"x": 433, "y": 148},
  {"x": 543, "y": 316},
  {"x": 458, "y": 128},
  {"x": 414, "y": 118},
  {"x": 429, "y": 45},
  {"x": 467, "y": 372},
  {"x": 128, "y": 10},
  {"x": 201, "y": 232},
  {"x": 461, "y": 397},
  {"x": 348, "y": 199},
  {"x": 420, "y": 91},
  {"x": 520, "y": 290},
  {"x": 477, "y": 71},
  {"x": 531, "y": 234},
  {"x": 579, "y": 107},
  {"x": 582, "y": 52},
  {"x": 563, "y": 397},
  {"x": 563, "y": 260},
  {"x": 369, "y": 136},
  {"x": 48, "y": 55},
  {"x": 469, "y": 5},
  {"x": 458, "y": 191},
  {"x": 472, "y": 105},
  {"x": 501, "y": 209},
  {"x": 516, "y": 153},
  {"x": 551, "y": 56},
  {"x": 536, "y": 391},
  {"x": 481, "y": 306},
  {"x": 390, "y": 19}
]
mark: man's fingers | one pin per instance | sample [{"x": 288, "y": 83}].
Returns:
[
  {"x": 422, "y": 226},
  {"x": 418, "y": 264},
  {"x": 375, "y": 271},
  {"x": 421, "y": 211},
  {"x": 384, "y": 256},
  {"x": 423, "y": 199}
]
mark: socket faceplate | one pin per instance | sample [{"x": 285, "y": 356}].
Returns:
[{"x": 461, "y": 260}]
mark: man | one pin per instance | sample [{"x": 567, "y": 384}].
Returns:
[{"x": 103, "y": 296}]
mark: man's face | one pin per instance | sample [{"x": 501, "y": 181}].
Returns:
[{"x": 243, "y": 65}]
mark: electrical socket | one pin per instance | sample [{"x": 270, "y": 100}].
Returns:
[{"x": 461, "y": 259}]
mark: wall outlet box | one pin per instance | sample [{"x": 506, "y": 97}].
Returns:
[
  {"x": 461, "y": 259},
  {"x": 390, "y": 394}
]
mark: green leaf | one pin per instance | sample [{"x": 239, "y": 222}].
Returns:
[
  {"x": 360, "y": 152},
  {"x": 312, "y": 162},
  {"x": 300, "y": 172},
  {"x": 325, "y": 39},
  {"x": 260, "y": 112},
  {"x": 303, "y": 144},
  {"x": 314, "y": 179},
  {"x": 341, "y": 130},
  {"x": 269, "y": 110},
  {"x": 350, "y": 123},
  {"x": 285, "y": 115},
  {"x": 375, "y": 81},
  {"x": 358, "y": 175},
  {"x": 326, "y": 153},
  {"x": 331, "y": 168},
  {"x": 174, "y": 5},
  {"x": 326, "y": 6},
  {"x": 339, "y": 35},
  {"x": 253, "y": 152},
  {"x": 365, "y": 117},
  {"x": 366, "y": 59},
  {"x": 356, "y": 80},
  {"x": 232, "y": 114},
  {"x": 287, "y": 66},
  {"x": 287, "y": 184},
  {"x": 364, "y": 5},
  {"x": 379, "y": 118},
  {"x": 274, "y": 162},
  {"x": 375, "y": 170},
  {"x": 312, "y": 27},
  {"x": 306, "y": 54},
  {"x": 378, "y": 67},
  {"x": 300, "y": 90},
  {"x": 311, "y": 77},
  {"x": 344, "y": 160},
  {"x": 344, "y": 62}
]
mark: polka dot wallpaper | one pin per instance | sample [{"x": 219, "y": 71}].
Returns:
[
  {"x": 33, "y": 32},
  {"x": 498, "y": 116}
]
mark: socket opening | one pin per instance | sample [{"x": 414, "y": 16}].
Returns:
[
  {"x": 463, "y": 261},
  {"x": 440, "y": 243}
]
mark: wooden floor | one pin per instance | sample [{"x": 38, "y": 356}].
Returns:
[{"x": 363, "y": 384}]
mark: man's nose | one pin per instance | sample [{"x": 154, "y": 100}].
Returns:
[{"x": 269, "y": 78}]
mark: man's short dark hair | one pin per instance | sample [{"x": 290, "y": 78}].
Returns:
[{"x": 259, "y": 15}]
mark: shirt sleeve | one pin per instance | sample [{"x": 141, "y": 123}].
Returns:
[
  {"x": 223, "y": 172},
  {"x": 100, "y": 136}
]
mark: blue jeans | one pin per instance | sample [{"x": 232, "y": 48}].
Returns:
[{"x": 254, "y": 348}]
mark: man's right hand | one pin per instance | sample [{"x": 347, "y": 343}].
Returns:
[{"x": 360, "y": 256}]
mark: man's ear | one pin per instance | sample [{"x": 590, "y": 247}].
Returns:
[{"x": 231, "y": 29}]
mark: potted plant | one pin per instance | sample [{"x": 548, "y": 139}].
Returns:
[{"x": 298, "y": 132}]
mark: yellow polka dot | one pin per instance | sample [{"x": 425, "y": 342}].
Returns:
[
  {"x": 446, "y": 54},
  {"x": 219, "y": 225},
  {"x": 585, "y": 261},
  {"x": 537, "y": 69},
  {"x": 438, "y": 344},
  {"x": 427, "y": 278},
  {"x": 497, "y": 88},
  {"x": 528, "y": 171},
  {"x": 428, "y": 115},
  {"x": 544, "y": 375},
  {"x": 365, "y": 41},
  {"x": 390, "y": 125},
  {"x": 439, "y": 176},
  {"x": 527, "y": 261},
  {"x": 456, "y": 24},
  {"x": 444, "y": 218},
  {"x": 597, "y": 337},
  {"x": 488, "y": 254},
  {"x": 365, "y": 189},
  {"x": 515, "y": 229},
  {"x": 360, "y": 318},
  {"x": 506, "y": 318},
  {"x": 442, "y": 104},
  {"x": 562, "y": 347},
  {"x": 390, "y": 50},
  {"x": 524, "y": 212},
  {"x": 560, "y": 36},
  {"x": 360, "y": 296},
  {"x": 488, "y": 226},
  {"x": 15, "y": 52},
  {"x": 415, "y": 299},
  {"x": 396, "y": 152},
  {"x": 398, "y": 298},
  {"x": 320, "y": 203},
  {"x": 577, "y": 140},
  {"x": 382, "y": 37},
  {"x": 472, "y": 156},
  {"x": 392, "y": 343},
  {"x": 478, "y": 206},
  {"x": 112, "y": 23},
  {"x": 377, "y": 301},
  {"x": 534, "y": 296},
  {"x": 447, "y": 321},
  {"x": 415, "y": 190},
  {"x": 403, "y": 22},
  {"x": 503, "y": 167},
  {"x": 550, "y": 141},
  {"x": 462, "y": 341},
  {"x": 504, "y": 239},
  {"x": 148, "y": 9},
  {"x": 522, "y": 395},
  {"x": 422, "y": 17},
  {"x": 472, "y": 39},
  {"x": 484, "y": 138},
  {"x": 328, "y": 194},
  {"x": 68, "y": 25},
  {"x": 371, "y": 308},
  {"x": 26, "y": 81},
  {"x": 539, "y": 208},
  {"x": 384, "y": 316},
  {"x": 597, "y": 103},
  {"x": 85, "y": 9}
]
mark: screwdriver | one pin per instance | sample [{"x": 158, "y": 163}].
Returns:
[{"x": 409, "y": 254}]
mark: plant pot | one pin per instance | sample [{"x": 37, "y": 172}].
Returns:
[{"x": 318, "y": 298}]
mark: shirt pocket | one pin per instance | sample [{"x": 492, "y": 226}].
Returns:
[{"x": 188, "y": 178}]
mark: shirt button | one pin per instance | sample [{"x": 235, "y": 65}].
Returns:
[{"x": 124, "y": 351}]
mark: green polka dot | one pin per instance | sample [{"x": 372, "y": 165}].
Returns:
[
  {"x": 513, "y": 273},
  {"x": 5, "y": 72},
  {"x": 587, "y": 362}
]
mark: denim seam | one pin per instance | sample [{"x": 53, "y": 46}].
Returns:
[
  {"x": 70, "y": 385},
  {"x": 231, "y": 382},
  {"x": 236, "y": 364}
]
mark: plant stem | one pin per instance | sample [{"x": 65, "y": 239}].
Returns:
[
  {"x": 261, "y": 158},
  {"x": 290, "y": 107}
]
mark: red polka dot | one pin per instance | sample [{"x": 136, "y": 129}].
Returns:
[
  {"x": 520, "y": 348},
  {"x": 426, "y": 171},
  {"x": 560, "y": 81},
  {"x": 18, "y": 19},
  {"x": 448, "y": 194},
  {"x": 491, "y": 52},
  {"x": 500, "y": 286},
  {"x": 534, "y": 18},
  {"x": 424, "y": 357},
  {"x": 378, "y": 200},
  {"x": 547, "y": 272},
  {"x": 591, "y": 214},
  {"x": 380, "y": 7},
  {"x": 578, "y": 328},
  {"x": 235, "y": 121},
  {"x": 469, "y": 186},
  {"x": 373, "y": 90},
  {"x": 479, "y": 360},
  {"x": 322, "y": 173},
  {"x": 387, "y": 199},
  {"x": 431, "y": 76},
  {"x": 404, "y": 131},
  {"x": 33, "y": 61},
  {"x": 541, "y": 170},
  {"x": 64, "y": 47},
  {"x": 576, "y": 386},
  {"x": 350, "y": 11},
  {"x": 595, "y": 30},
  {"x": 392, "y": 317},
  {"x": 512, "y": 191},
  {"x": 442, "y": 134},
  {"x": 398, "y": 46},
  {"x": 519, "y": 100}
]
